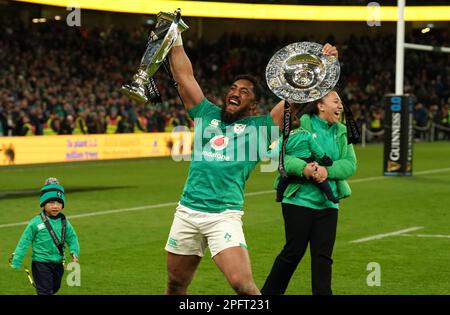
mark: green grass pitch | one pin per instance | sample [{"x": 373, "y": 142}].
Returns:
[{"x": 122, "y": 252}]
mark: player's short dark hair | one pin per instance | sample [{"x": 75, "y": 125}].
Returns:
[{"x": 257, "y": 90}]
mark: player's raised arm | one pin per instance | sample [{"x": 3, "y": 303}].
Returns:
[
  {"x": 277, "y": 114},
  {"x": 183, "y": 74}
]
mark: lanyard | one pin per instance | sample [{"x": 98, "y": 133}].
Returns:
[
  {"x": 59, "y": 245},
  {"x": 286, "y": 132}
]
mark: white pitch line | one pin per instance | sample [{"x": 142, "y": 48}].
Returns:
[
  {"x": 380, "y": 236},
  {"x": 439, "y": 170},
  {"x": 91, "y": 214},
  {"x": 430, "y": 235},
  {"x": 256, "y": 193},
  {"x": 14, "y": 224},
  {"x": 368, "y": 179}
]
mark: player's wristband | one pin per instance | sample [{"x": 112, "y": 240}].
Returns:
[{"x": 178, "y": 41}]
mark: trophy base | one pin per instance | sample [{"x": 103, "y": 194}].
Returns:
[{"x": 135, "y": 93}]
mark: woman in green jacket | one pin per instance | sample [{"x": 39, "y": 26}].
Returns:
[{"x": 309, "y": 216}]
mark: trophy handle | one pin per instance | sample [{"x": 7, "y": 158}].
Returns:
[
  {"x": 169, "y": 17},
  {"x": 177, "y": 16},
  {"x": 164, "y": 48}
]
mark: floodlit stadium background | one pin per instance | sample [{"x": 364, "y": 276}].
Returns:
[{"x": 122, "y": 208}]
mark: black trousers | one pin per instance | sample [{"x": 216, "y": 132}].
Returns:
[
  {"x": 303, "y": 226},
  {"x": 47, "y": 277}
]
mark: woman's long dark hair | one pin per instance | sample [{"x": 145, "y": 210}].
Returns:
[
  {"x": 311, "y": 107},
  {"x": 353, "y": 133}
]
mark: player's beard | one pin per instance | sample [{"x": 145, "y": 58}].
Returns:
[{"x": 228, "y": 117}]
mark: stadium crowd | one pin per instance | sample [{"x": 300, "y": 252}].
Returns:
[{"x": 56, "y": 79}]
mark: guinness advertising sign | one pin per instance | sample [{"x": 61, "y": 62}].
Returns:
[{"x": 398, "y": 131}]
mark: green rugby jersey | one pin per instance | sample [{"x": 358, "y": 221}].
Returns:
[
  {"x": 44, "y": 249},
  {"x": 223, "y": 157},
  {"x": 302, "y": 144}
]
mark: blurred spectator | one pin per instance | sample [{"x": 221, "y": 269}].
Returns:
[
  {"x": 376, "y": 123},
  {"x": 67, "y": 125},
  {"x": 125, "y": 124},
  {"x": 420, "y": 120},
  {"x": 112, "y": 121},
  {"x": 443, "y": 121},
  {"x": 3, "y": 124},
  {"x": 52, "y": 125},
  {"x": 80, "y": 123}
]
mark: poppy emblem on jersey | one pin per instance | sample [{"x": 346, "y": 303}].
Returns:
[
  {"x": 239, "y": 128},
  {"x": 219, "y": 142}
]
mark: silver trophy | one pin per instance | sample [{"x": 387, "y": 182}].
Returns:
[
  {"x": 301, "y": 73},
  {"x": 161, "y": 40}
]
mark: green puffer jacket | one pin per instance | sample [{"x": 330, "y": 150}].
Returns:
[{"x": 341, "y": 169}]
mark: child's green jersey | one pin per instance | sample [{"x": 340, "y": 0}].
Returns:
[
  {"x": 302, "y": 144},
  {"x": 44, "y": 249}
]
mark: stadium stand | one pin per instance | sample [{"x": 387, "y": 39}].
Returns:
[{"x": 61, "y": 80}]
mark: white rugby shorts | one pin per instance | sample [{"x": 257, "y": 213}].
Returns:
[{"x": 192, "y": 232}]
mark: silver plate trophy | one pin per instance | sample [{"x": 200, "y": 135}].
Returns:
[
  {"x": 300, "y": 73},
  {"x": 161, "y": 40}
]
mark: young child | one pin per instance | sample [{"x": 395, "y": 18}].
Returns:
[
  {"x": 47, "y": 233},
  {"x": 302, "y": 144}
]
